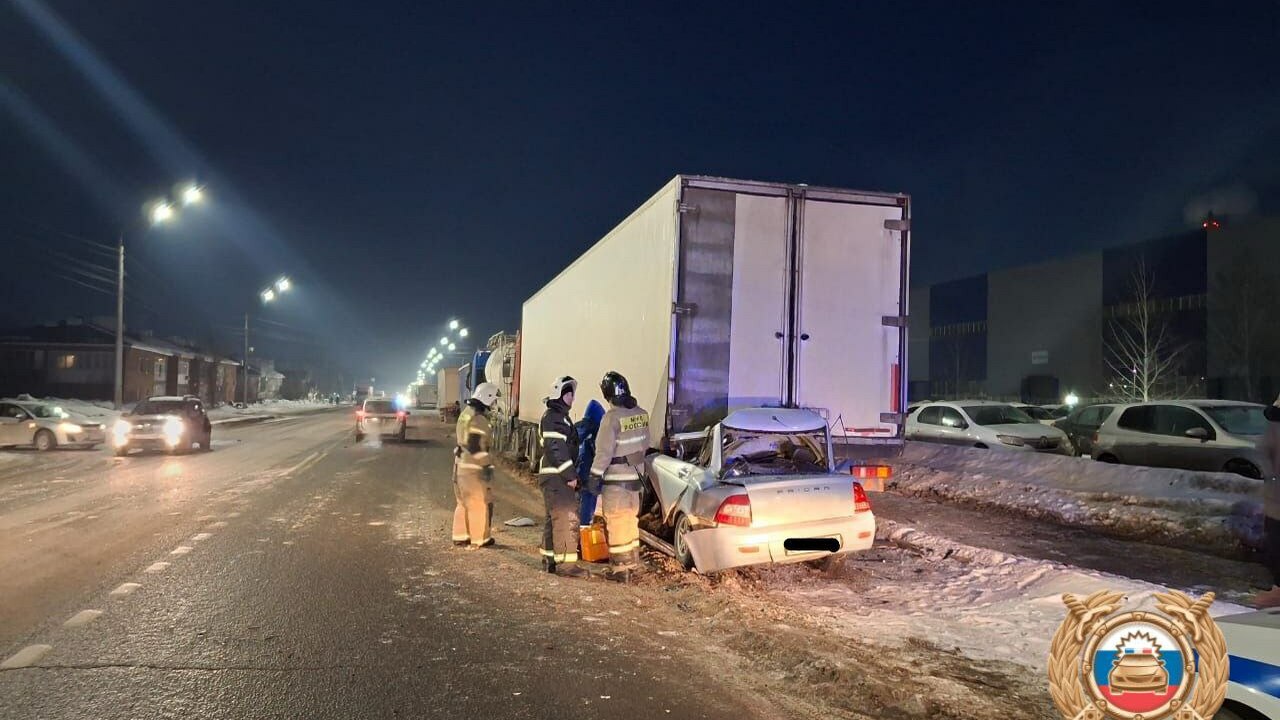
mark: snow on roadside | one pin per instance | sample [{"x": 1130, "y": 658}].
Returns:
[
  {"x": 1210, "y": 511},
  {"x": 986, "y": 604},
  {"x": 268, "y": 408}
]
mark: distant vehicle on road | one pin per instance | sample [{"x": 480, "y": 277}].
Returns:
[
  {"x": 762, "y": 489},
  {"x": 44, "y": 426},
  {"x": 1207, "y": 435},
  {"x": 1081, "y": 425},
  {"x": 168, "y": 423},
  {"x": 984, "y": 424},
  {"x": 1253, "y": 644},
  {"x": 380, "y": 418}
]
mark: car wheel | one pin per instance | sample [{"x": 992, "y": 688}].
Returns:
[
  {"x": 683, "y": 527},
  {"x": 1243, "y": 467},
  {"x": 45, "y": 441},
  {"x": 981, "y": 446},
  {"x": 121, "y": 452}
]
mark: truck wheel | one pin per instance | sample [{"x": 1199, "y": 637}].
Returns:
[
  {"x": 121, "y": 451},
  {"x": 683, "y": 527},
  {"x": 45, "y": 441},
  {"x": 359, "y": 437}
]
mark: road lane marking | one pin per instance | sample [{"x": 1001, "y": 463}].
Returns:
[
  {"x": 377, "y": 523},
  {"x": 200, "y": 536},
  {"x": 84, "y": 617},
  {"x": 157, "y": 567},
  {"x": 218, "y": 525},
  {"x": 180, "y": 550},
  {"x": 26, "y": 657},
  {"x": 125, "y": 589}
]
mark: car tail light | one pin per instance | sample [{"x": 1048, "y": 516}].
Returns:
[
  {"x": 402, "y": 414},
  {"x": 735, "y": 510},
  {"x": 360, "y": 414},
  {"x": 860, "y": 502},
  {"x": 871, "y": 472}
]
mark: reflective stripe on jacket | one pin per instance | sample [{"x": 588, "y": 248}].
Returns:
[
  {"x": 559, "y": 443},
  {"x": 621, "y": 444},
  {"x": 474, "y": 436}
]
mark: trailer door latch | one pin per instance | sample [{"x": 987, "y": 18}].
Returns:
[
  {"x": 898, "y": 321},
  {"x": 892, "y": 418},
  {"x": 901, "y": 225},
  {"x": 686, "y": 309},
  {"x": 688, "y": 208}
]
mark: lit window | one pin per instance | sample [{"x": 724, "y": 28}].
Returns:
[{"x": 66, "y": 362}]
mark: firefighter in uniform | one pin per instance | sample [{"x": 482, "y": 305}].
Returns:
[
  {"x": 558, "y": 479},
  {"x": 620, "y": 449},
  {"x": 473, "y": 470}
]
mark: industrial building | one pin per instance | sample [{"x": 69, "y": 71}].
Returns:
[{"x": 1037, "y": 333}]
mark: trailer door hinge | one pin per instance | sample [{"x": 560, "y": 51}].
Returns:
[
  {"x": 899, "y": 225},
  {"x": 893, "y": 418},
  {"x": 898, "y": 321},
  {"x": 688, "y": 208},
  {"x": 683, "y": 308}
]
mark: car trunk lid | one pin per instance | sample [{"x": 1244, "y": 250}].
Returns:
[{"x": 777, "y": 500}]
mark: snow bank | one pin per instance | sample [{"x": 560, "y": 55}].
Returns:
[
  {"x": 987, "y": 604},
  {"x": 1207, "y": 511},
  {"x": 268, "y": 408}
]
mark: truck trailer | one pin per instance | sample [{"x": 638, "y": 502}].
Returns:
[{"x": 717, "y": 295}]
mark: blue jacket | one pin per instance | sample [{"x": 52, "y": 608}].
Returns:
[{"x": 587, "y": 428}]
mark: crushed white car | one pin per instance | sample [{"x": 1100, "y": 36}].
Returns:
[{"x": 763, "y": 488}]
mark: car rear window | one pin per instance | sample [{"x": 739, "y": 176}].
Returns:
[
  {"x": 160, "y": 407},
  {"x": 379, "y": 407}
]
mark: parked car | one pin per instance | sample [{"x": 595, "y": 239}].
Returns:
[
  {"x": 172, "y": 424},
  {"x": 762, "y": 489},
  {"x": 31, "y": 423},
  {"x": 1253, "y": 644},
  {"x": 1081, "y": 425},
  {"x": 1209, "y": 435},
  {"x": 984, "y": 424},
  {"x": 1042, "y": 415},
  {"x": 380, "y": 418}
]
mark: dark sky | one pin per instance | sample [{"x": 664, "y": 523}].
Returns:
[{"x": 406, "y": 162}]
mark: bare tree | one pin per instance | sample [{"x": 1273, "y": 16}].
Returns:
[{"x": 1143, "y": 356}]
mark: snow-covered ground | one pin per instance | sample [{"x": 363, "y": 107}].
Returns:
[
  {"x": 1213, "y": 511},
  {"x": 267, "y": 408}
]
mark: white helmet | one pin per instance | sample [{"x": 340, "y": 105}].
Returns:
[
  {"x": 486, "y": 393},
  {"x": 561, "y": 386}
]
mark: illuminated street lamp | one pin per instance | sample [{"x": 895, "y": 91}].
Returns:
[
  {"x": 267, "y": 294},
  {"x": 444, "y": 341},
  {"x": 452, "y": 347},
  {"x": 282, "y": 284},
  {"x": 161, "y": 212},
  {"x": 192, "y": 195},
  {"x": 462, "y": 332},
  {"x": 453, "y": 324}
]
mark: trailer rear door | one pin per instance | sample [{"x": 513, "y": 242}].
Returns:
[
  {"x": 730, "y": 315},
  {"x": 848, "y": 359}
]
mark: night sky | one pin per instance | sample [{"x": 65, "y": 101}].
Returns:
[{"x": 408, "y": 162}]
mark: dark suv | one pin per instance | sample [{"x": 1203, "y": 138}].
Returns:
[
  {"x": 172, "y": 424},
  {"x": 1081, "y": 425}
]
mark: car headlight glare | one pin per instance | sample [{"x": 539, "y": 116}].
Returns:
[
  {"x": 67, "y": 427},
  {"x": 120, "y": 432},
  {"x": 173, "y": 430}
]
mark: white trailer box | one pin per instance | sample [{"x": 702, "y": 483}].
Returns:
[
  {"x": 447, "y": 387},
  {"x": 721, "y": 294}
]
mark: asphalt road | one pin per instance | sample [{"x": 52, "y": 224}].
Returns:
[{"x": 293, "y": 573}]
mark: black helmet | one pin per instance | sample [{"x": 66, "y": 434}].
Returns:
[{"x": 614, "y": 386}]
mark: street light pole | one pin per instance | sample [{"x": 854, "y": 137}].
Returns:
[
  {"x": 244, "y": 394},
  {"x": 119, "y": 390}
]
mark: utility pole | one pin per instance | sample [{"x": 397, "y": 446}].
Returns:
[
  {"x": 244, "y": 395},
  {"x": 119, "y": 394}
]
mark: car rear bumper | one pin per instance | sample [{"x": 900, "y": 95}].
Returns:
[
  {"x": 379, "y": 427},
  {"x": 727, "y": 546}
]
